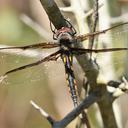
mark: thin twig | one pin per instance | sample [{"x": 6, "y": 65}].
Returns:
[
  {"x": 96, "y": 15},
  {"x": 43, "y": 113}
]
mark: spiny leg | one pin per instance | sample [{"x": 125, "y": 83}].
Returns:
[
  {"x": 47, "y": 58},
  {"x": 70, "y": 78}
]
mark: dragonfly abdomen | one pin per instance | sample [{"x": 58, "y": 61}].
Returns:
[{"x": 70, "y": 78}]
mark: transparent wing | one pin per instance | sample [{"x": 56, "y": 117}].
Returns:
[
  {"x": 39, "y": 45},
  {"x": 114, "y": 62},
  {"x": 111, "y": 62},
  {"x": 83, "y": 50},
  {"x": 47, "y": 58},
  {"x": 89, "y": 35}
]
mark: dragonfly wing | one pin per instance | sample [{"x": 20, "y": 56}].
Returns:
[
  {"x": 42, "y": 45},
  {"x": 83, "y": 51},
  {"x": 91, "y": 35},
  {"x": 52, "y": 56}
]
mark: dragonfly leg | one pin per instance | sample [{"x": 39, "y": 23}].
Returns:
[{"x": 55, "y": 58}]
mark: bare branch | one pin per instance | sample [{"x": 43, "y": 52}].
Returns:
[
  {"x": 43, "y": 113},
  {"x": 56, "y": 18},
  {"x": 87, "y": 102}
]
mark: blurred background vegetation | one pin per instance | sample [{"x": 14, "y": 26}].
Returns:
[{"x": 45, "y": 84}]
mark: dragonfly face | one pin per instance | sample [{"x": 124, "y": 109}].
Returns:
[
  {"x": 65, "y": 38},
  {"x": 66, "y": 41}
]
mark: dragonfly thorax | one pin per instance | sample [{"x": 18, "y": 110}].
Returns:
[{"x": 65, "y": 40}]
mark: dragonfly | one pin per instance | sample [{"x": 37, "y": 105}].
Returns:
[{"x": 65, "y": 38}]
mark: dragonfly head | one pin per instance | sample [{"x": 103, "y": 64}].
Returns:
[
  {"x": 65, "y": 37},
  {"x": 65, "y": 40},
  {"x": 65, "y": 30}
]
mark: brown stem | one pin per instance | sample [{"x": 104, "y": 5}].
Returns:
[{"x": 53, "y": 13}]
